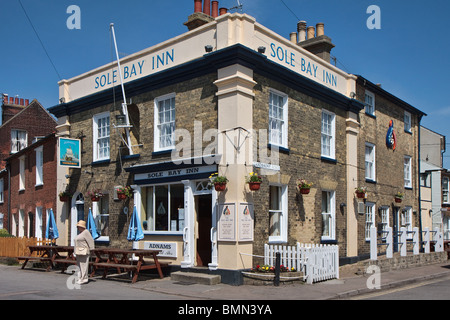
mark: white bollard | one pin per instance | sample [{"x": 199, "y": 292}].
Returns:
[
  {"x": 403, "y": 242},
  {"x": 373, "y": 244}
]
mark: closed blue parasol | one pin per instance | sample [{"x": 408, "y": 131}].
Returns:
[
  {"x": 90, "y": 225},
  {"x": 135, "y": 232},
  {"x": 51, "y": 231}
]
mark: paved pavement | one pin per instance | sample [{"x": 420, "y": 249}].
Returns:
[{"x": 36, "y": 284}]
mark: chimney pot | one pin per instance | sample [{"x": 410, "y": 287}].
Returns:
[
  {"x": 301, "y": 28},
  {"x": 207, "y": 7},
  {"x": 320, "y": 29},
  {"x": 293, "y": 37},
  {"x": 215, "y": 9},
  {"x": 223, "y": 11},
  {"x": 310, "y": 32},
  {"x": 197, "y": 6}
]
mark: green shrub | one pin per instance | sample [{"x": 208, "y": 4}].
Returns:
[{"x": 4, "y": 233}]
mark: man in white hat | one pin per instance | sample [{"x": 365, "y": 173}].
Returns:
[{"x": 84, "y": 243}]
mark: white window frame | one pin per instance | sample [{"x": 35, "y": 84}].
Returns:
[
  {"x": 39, "y": 166},
  {"x": 445, "y": 190},
  {"x": 104, "y": 137},
  {"x": 369, "y": 219},
  {"x": 384, "y": 212},
  {"x": 407, "y": 221},
  {"x": 2, "y": 216},
  {"x": 283, "y": 211},
  {"x": 407, "y": 170},
  {"x": 38, "y": 223},
  {"x": 278, "y": 124},
  {"x": 21, "y": 223},
  {"x": 331, "y": 213},
  {"x": 369, "y": 102},
  {"x": 370, "y": 160},
  {"x": 407, "y": 119},
  {"x": 22, "y": 173},
  {"x": 2, "y": 190},
  {"x": 169, "y": 125},
  {"x": 328, "y": 134},
  {"x": 100, "y": 209},
  {"x": 19, "y": 140}
]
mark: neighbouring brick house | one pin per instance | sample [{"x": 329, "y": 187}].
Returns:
[
  {"x": 217, "y": 100},
  {"x": 24, "y": 124}
]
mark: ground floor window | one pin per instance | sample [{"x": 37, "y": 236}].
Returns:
[
  {"x": 407, "y": 221},
  {"x": 384, "y": 220},
  {"x": 163, "y": 208},
  {"x": 278, "y": 214},
  {"x": 446, "y": 221},
  {"x": 370, "y": 219},
  {"x": 101, "y": 215},
  {"x": 328, "y": 215}
]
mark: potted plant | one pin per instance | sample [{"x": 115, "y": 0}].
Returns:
[
  {"x": 304, "y": 186},
  {"x": 254, "y": 181},
  {"x": 95, "y": 195},
  {"x": 399, "y": 197},
  {"x": 219, "y": 182},
  {"x": 361, "y": 192},
  {"x": 64, "y": 196},
  {"x": 124, "y": 192}
]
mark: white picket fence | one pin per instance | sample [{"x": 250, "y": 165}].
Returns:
[{"x": 317, "y": 262}]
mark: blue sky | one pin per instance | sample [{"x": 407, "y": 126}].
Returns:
[{"x": 408, "y": 55}]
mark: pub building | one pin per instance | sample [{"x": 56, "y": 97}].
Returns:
[{"x": 232, "y": 97}]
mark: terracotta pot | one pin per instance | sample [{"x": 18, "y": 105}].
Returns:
[
  {"x": 64, "y": 198},
  {"x": 95, "y": 199},
  {"x": 398, "y": 200},
  {"x": 305, "y": 190},
  {"x": 254, "y": 186},
  {"x": 360, "y": 195},
  {"x": 121, "y": 196},
  {"x": 220, "y": 186}
]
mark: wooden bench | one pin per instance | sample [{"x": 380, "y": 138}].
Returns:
[{"x": 33, "y": 258}]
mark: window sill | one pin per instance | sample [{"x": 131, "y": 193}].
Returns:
[
  {"x": 162, "y": 152},
  {"x": 329, "y": 160},
  {"x": 100, "y": 162},
  {"x": 371, "y": 181},
  {"x": 371, "y": 115},
  {"x": 328, "y": 241},
  {"x": 280, "y": 148}
]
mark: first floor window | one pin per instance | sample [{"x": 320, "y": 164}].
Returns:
[
  {"x": 445, "y": 189},
  {"x": 22, "y": 173},
  {"x": 101, "y": 131},
  {"x": 328, "y": 215},
  {"x": 370, "y": 219},
  {"x": 164, "y": 123},
  {"x": 163, "y": 208},
  {"x": 370, "y": 162},
  {"x": 1, "y": 220},
  {"x": 328, "y": 134},
  {"x": 369, "y": 100},
  {"x": 407, "y": 172},
  {"x": 278, "y": 109},
  {"x": 39, "y": 166},
  {"x": 278, "y": 214}
]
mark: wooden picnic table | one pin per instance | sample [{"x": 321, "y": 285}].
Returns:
[
  {"x": 123, "y": 259},
  {"x": 48, "y": 253}
]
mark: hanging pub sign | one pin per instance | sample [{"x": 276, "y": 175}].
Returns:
[
  {"x": 69, "y": 152},
  {"x": 391, "y": 138}
]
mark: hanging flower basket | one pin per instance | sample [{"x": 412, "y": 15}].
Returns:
[
  {"x": 220, "y": 186},
  {"x": 304, "y": 186},
  {"x": 254, "y": 186},
  {"x": 399, "y": 197},
  {"x": 361, "y": 192},
  {"x": 95, "y": 195},
  {"x": 219, "y": 182},
  {"x": 124, "y": 192},
  {"x": 64, "y": 196},
  {"x": 254, "y": 181},
  {"x": 305, "y": 190}
]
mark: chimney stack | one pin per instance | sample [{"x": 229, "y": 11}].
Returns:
[
  {"x": 199, "y": 17},
  {"x": 314, "y": 40}
]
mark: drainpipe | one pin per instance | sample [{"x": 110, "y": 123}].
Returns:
[
  {"x": 420, "y": 198},
  {"x": 8, "y": 168}
]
